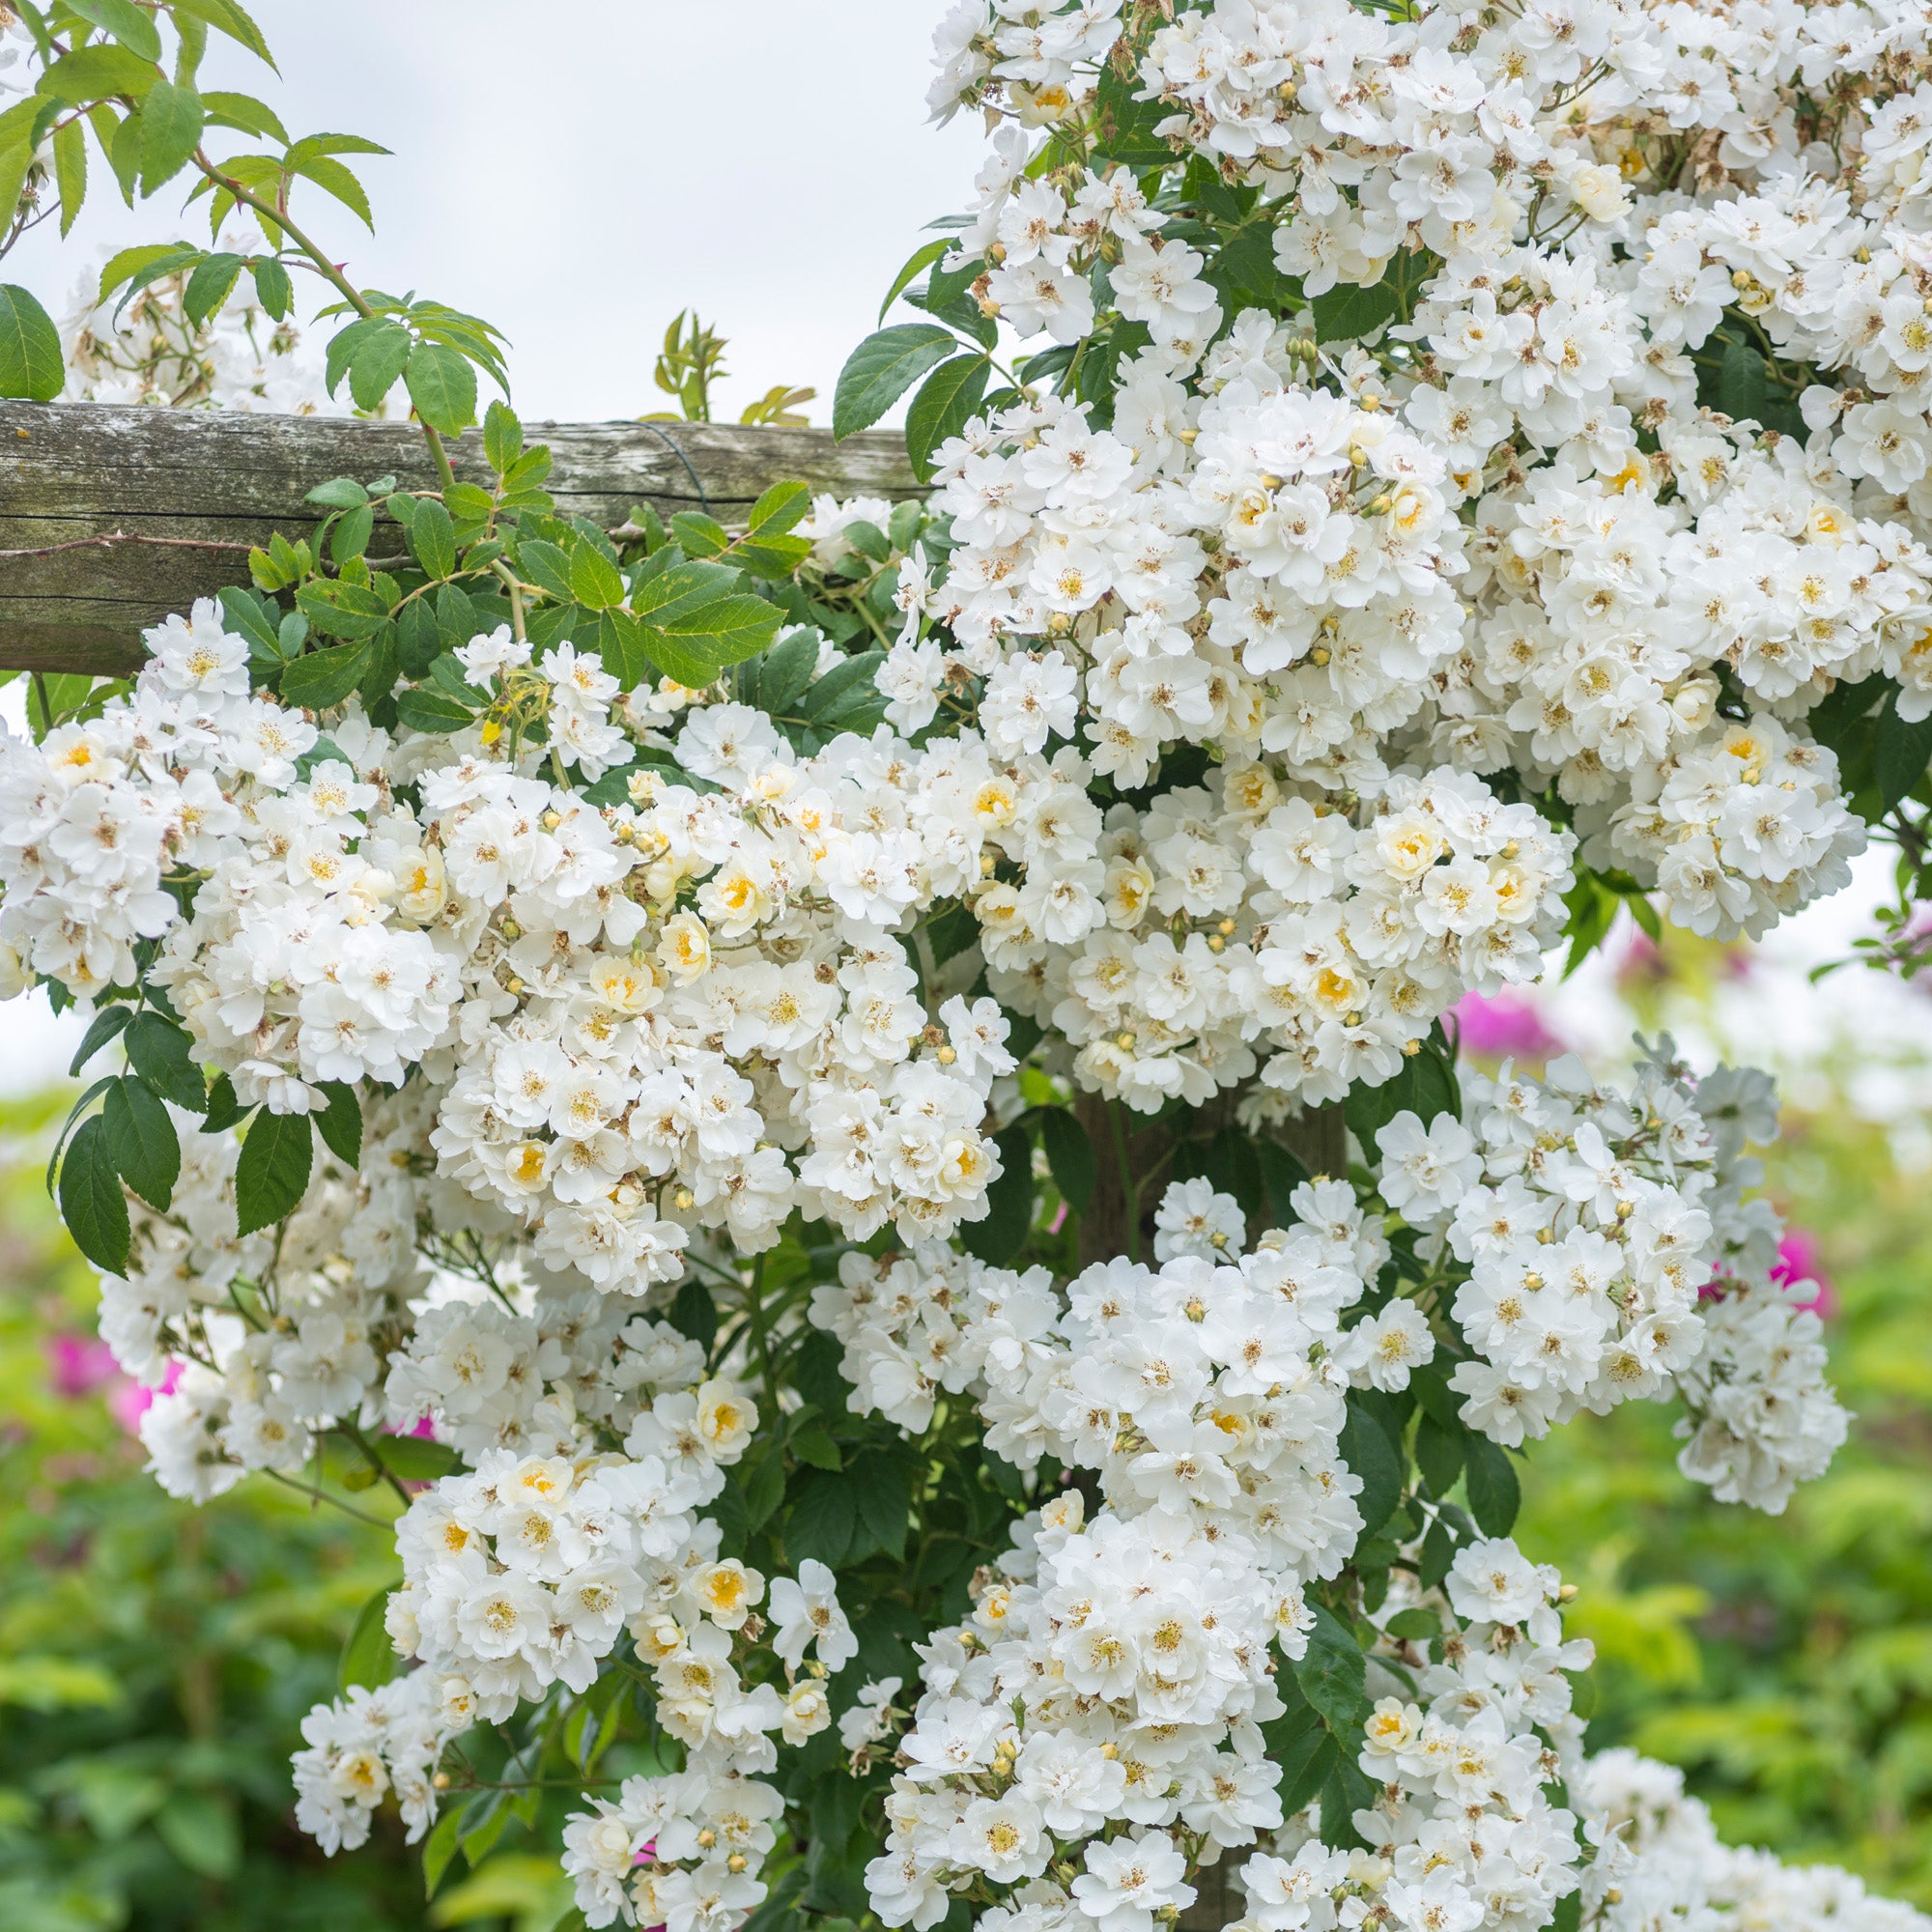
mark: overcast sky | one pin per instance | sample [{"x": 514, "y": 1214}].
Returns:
[{"x": 578, "y": 172}]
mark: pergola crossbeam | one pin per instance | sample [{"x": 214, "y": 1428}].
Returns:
[{"x": 112, "y": 517}]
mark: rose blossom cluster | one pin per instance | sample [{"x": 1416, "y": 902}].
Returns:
[
  {"x": 683, "y": 1850},
  {"x": 1253, "y": 700},
  {"x": 1611, "y": 1254},
  {"x": 1641, "y": 599},
  {"x": 1672, "y": 1868},
  {"x": 1066, "y": 1747}
]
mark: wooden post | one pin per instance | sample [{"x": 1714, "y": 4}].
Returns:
[{"x": 111, "y": 517}]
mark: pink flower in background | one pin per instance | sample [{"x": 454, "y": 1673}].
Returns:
[
  {"x": 80, "y": 1364},
  {"x": 130, "y": 1401},
  {"x": 1797, "y": 1263},
  {"x": 1506, "y": 1026}
]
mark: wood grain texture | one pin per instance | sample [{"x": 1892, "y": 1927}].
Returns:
[{"x": 214, "y": 482}]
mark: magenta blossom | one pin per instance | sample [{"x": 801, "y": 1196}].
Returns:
[
  {"x": 1797, "y": 1263},
  {"x": 129, "y": 1402},
  {"x": 1505, "y": 1026},
  {"x": 80, "y": 1364}
]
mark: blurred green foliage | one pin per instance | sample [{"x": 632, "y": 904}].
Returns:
[
  {"x": 155, "y": 1661},
  {"x": 1784, "y": 1662}
]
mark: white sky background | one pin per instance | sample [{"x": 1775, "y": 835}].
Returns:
[{"x": 580, "y": 172}]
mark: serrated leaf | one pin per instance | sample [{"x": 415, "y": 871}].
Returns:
[
  {"x": 945, "y": 403},
  {"x": 1333, "y": 1673},
  {"x": 787, "y": 670},
  {"x": 339, "y": 608},
  {"x": 142, "y": 1142},
  {"x": 1346, "y": 313},
  {"x": 764, "y": 1490},
  {"x": 340, "y": 1123},
  {"x": 544, "y": 564},
  {"x": 1001, "y": 1233},
  {"x": 271, "y": 1176},
  {"x": 333, "y": 178},
  {"x": 31, "y": 364},
  {"x": 813, "y": 1445},
  {"x": 69, "y": 144},
  {"x": 882, "y": 1493},
  {"x": 415, "y": 1459},
  {"x": 1305, "y": 1765},
  {"x": 1126, "y": 126},
  {"x": 1070, "y": 1154},
  {"x": 104, "y": 1026},
  {"x": 125, "y": 21},
  {"x": 272, "y": 288},
  {"x": 1490, "y": 1483},
  {"x": 90, "y": 1200},
  {"x": 595, "y": 581},
  {"x": 826, "y": 696},
  {"x": 160, "y": 1052},
  {"x": 698, "y": 535},
  {"x": 920, "y": 258},
  {"x": 338, "y": 493},
  {"x": 782, "y": 506},
  {"x": 1438, "y": 1454},
  {"x": 244, "y": 113},
  {"x": 322, "y": 678},
  {"x": 379, "y": 359},
  {"x": 1347, "y": 1791},
  {"x": 439, "y": 1848},
  {"x": 257, "y": 620},
  {"x": 1900, "y": 753},
  {"x": 443, "y": 387},
  {"x": 350, "y": 535},
  {"x": 433, "y": 538},
  {"x": 368, "y": 1657},
  {"x": 727, "y": 630},
  {"x": 432, "y": 711},
  {"x": 695, "y": 1315},
  {"x": 172, "y": 118},
  {"x": 98, "y": 72},
  {"x": 664, "y": 589},
  {"x": 1366, "y": 1450},
  {"x": 773, "y": 559},
  {"x": 224, "y": 1110},
  {"x": 208, "y": 287},
  {"x": 230, "y": 18},
  {"x": 821, "y": 1521},
  {"x": 503, "y": 437},
  {"x": 882, "y": 369},
  {"x": 1416, "y": 1626}
]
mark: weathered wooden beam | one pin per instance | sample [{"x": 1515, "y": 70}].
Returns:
[{"x": 128, "y": 514}]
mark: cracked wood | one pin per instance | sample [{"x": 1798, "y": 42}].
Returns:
[{"x": 112, "y": 517}]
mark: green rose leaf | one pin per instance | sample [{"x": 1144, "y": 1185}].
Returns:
[
  {"x": 882, "y": 369},
  {"x": 32, "y": 367},
  {"x": 90, "y": 1200},
  {"x": 272, "y": 1177}
]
